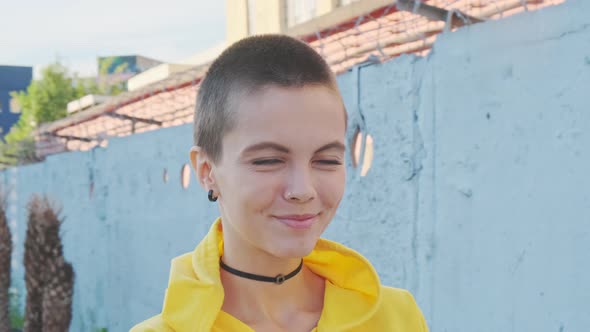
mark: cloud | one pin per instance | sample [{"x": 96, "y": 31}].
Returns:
[{"x": 35, "y": 34}]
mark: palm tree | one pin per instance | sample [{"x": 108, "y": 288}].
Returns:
[
  {"x": 49, "y": 278},
  {"x": 5, "y": 258}
]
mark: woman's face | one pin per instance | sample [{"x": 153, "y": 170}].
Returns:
[{"x": 281, "y": 175}]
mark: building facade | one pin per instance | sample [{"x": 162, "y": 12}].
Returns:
[
  {"x": 12, "y": 78},
  {"x": 293, "y": 17}
]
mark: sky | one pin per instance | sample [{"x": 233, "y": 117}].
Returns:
[{"x": 36, "y": 33}]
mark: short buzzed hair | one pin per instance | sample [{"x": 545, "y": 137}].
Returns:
[{"x": 245, "y": 67}]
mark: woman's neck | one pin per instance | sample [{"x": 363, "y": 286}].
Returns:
[{"x": 253, "y": 301}]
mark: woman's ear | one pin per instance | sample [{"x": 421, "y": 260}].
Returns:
[{"x": 203, "y": 167}]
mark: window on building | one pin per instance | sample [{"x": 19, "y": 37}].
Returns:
[
  {"x": 251, "y": 17},
  {"x": 14, "y": 106},
  {"x": 299, "y": 11},
  {"x": 346, "y": 2}
]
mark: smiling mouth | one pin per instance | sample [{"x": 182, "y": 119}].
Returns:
[{"x": 298, "y": 221}]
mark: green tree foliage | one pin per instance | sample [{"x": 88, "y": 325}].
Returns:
[{"x": 45, "y": 100}]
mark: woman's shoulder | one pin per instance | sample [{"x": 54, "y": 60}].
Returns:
[
  {"x": 154, "y": 324},
  {"x": 400, "y": 303},
  {"x": 397, "y": 296}
]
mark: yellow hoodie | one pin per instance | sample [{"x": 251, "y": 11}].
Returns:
[{"x": 354, "y": 299}]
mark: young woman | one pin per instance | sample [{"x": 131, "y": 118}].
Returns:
[{"x": 269, "y": 147}]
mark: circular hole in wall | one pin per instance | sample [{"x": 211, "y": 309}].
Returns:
[
  {"x": 362, "y": 161},
  {"x": 165, "y": 175},
  {"x": 185, "y": 176}
]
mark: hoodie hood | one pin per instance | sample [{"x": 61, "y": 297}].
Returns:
[{"x": 195, "y": 294}]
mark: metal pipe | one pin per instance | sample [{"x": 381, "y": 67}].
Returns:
[{"x": 455, "y": 18}]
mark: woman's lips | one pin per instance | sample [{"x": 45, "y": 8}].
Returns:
[{"x": 298, "y": 221}]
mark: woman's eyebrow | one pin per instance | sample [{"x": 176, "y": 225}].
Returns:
[
  {"x": 336, "y": 145},
  {"x": 264, "y": 146}
]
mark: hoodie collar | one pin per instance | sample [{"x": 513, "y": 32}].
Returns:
[{"x": 195, "y": 294}]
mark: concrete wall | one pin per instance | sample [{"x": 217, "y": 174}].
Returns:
[
  {"x": 477, "y": 198},
  {"x": 123, "y": 222},
  {"x": 504, "y": 108}
]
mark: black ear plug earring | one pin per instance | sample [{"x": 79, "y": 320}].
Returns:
[{"x": 210, "y": 196}]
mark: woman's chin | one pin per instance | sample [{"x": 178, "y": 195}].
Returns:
[{"x": 295, "y": 251}]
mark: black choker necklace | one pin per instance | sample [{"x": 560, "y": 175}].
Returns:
[{"x": 277, "y": 280}]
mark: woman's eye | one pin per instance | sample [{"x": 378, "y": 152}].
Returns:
[
  {"x": 262, "y": 162},
  {"x": 330, "y": 162}
]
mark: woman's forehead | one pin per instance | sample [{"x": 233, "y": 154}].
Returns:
[
  {"x": 275, "y": 103},
  {"x": 312, "y": 115}
]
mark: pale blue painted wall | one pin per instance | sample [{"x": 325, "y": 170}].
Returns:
[
  {"x": 509, "y": 104},
  {"x": 477, "y": 200},
  {"x": 120, "y": 239}
]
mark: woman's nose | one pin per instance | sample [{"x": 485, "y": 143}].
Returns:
[{"x": 299, "y": 186}]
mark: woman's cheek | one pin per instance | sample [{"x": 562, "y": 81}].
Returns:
[
  {"x": 331, "y": 189},
  {"x": 263, "y": 187}
]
